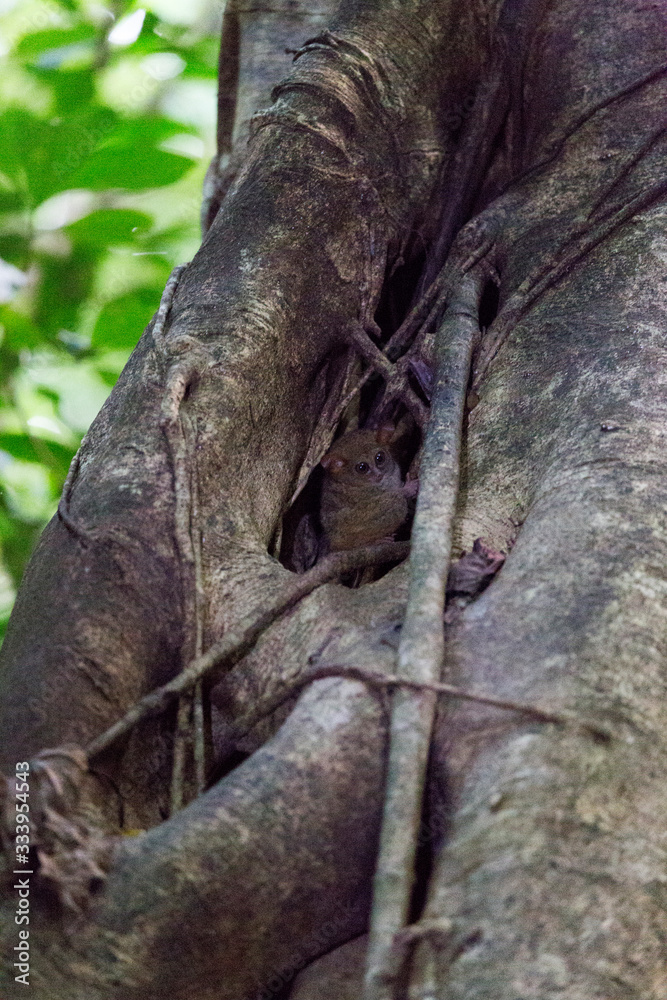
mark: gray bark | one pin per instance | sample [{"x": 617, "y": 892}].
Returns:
[{"x": 552, "y": 867}]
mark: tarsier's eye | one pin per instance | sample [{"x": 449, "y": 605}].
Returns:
[
  {"x": 380, "y": 458},
  {"x": 362, "y": 467}
]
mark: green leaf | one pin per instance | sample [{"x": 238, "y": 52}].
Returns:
[
  {"x": 167, "y": 238},
  {"x": 23, "y": 139},
  {"x": 7, "y": 589},
  {"x": 65, "y": 282},
  {"x": 9, "y": 360},
  {"x": 148, "y": 40},
  {"x": 110, "y": 227},
  {"x": 202, "y": 59},
  {"x": 145, "y": 131},
  {"x": 134, "y": 170},
  {"x": 151, "y": 22},
  {"x": 58, "y": 136},
  {"x": 54, "y": 38},
  {"x": 127, "y": 156},
  {"x": 80, "y": 389},
  {"x": 122, "y": 321},
  {"x": 109, "y": 365},
  {"x": 41, "y": 157},
  {"x": 72, "y": 89},
  {"x": 50, "y": 394},
  {"x": 15, "y": 248},
  {"x": 40, "y": 450},
  {"x": 27, "y": 490},
  {"x": 18, "y": 446},
  {"x": 75, "y": 139},
  {"x": 20, "y": 332},
  {"x": 10, "y": 200},
  {"x": 17, "y": 542}
]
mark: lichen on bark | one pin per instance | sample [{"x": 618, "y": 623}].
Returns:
[{"x": 550, "y": 869}]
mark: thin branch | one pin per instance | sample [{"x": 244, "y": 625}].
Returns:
[
  {"x": 583, "y": 119},
  {"x": 421, "y": 648},
  {"x": 175, "y": 433},
  {"x": 376, "y": 679},
  {"x": 190, "y": 726},
  {"x": 200, "y": 715},
  {"x": 625, "y": 169},
  {"x": 182, "y": 737},
  {"x": 473, "y": 154},
  {"x": 401, "y": 337},
  {"x": 372, "y": 355},
  {"x": 237, "y": 642},
  {"x": 581, "y": 241},
  {"x": 82, "y": 534},
  {"x": 178, "y": 431},
  {"x": 162, "y": 313},
  {"x": 394, "y": 375},
  {"x": 391, "y": 363}
]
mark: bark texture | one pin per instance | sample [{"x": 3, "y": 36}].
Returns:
[{"x": 552, "y": 870}]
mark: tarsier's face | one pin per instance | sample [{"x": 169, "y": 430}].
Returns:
[
  {"x": 375, "y": 468},
  {"x": 362, "y": 458}
]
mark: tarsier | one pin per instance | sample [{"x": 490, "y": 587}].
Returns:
[{"x": 364, "y": 498}]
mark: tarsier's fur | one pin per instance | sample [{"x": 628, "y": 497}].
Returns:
[{"x": 361, "y": 507}]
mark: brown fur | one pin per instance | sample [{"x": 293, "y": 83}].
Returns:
[{"x": 361, "y": 506}]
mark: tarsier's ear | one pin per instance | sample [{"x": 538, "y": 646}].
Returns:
[
  {"x": 385, "y": 433},
  {"x": 332, "y": 463}
]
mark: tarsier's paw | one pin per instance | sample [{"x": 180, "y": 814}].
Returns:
[{"x": 411, "y": 488}]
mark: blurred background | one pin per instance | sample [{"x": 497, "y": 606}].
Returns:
[{"x": 107, "y": 126}]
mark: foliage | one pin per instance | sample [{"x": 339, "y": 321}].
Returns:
[{"x": 107, "y": 125}]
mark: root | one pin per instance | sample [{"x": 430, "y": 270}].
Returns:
[
  {"x": 243, "y": 636},
  {"x": 421, "y": 648}
]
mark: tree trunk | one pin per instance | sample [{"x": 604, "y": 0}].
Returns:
[{"x": 551, "y": 866}]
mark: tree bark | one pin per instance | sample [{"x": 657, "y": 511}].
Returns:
[{"x": 552, "y": 868}]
